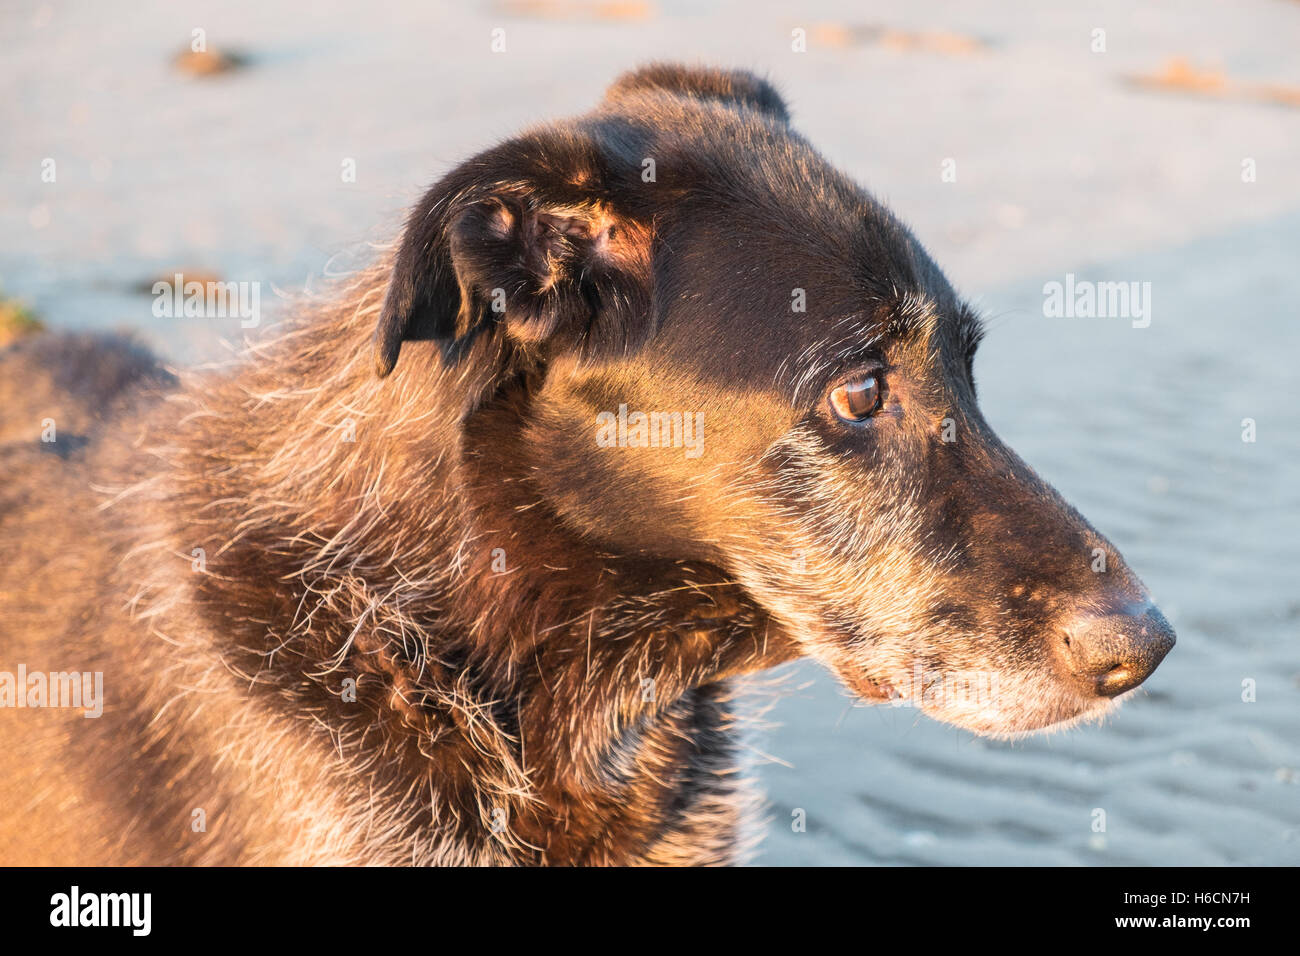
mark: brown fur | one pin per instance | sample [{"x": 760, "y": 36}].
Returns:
[{"x": 224, "y": 689}]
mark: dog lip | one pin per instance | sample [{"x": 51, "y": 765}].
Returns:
[{"x": 871, "y": 689}]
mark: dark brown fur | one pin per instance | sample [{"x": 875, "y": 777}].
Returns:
[{"x": 543, "y": 635}]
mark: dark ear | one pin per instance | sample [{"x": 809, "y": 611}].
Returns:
[
  {"x": 737, "y": 87},
  {"x": 524, "y": 241},
  {"x": 422, "y": 299}
]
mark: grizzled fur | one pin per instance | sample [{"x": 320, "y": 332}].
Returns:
[{"x": 402, "y": 494}]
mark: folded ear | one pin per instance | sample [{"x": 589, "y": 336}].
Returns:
[
  {"x": 534, "y": 250},
  {"x": 735, "y": 87}
]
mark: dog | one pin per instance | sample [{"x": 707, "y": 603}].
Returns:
[{"x": 466, "y": 564}]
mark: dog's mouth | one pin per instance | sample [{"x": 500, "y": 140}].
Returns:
[{"x": 875, "y": 690}]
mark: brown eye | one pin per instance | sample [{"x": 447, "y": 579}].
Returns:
[{"x": 857, "y": 400}]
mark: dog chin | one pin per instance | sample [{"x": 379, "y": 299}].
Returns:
[
  {"x": 1012, "y": 726},
  {"x": 973, "y": 709}
]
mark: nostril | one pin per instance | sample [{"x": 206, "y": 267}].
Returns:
[
  {"x": 1119, "y": 679},
  {"x": 1116, "y": 680}
]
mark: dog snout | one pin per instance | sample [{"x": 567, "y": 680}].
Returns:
[{"x": 1111, "y": 653}]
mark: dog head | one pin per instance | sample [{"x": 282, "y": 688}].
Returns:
[{"x": 735, "y": 355}]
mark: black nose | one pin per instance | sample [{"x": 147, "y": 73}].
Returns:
[{"x": 1112, "y": 653}]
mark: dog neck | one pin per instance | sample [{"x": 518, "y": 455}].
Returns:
[{"x": 381, "y": 571}]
